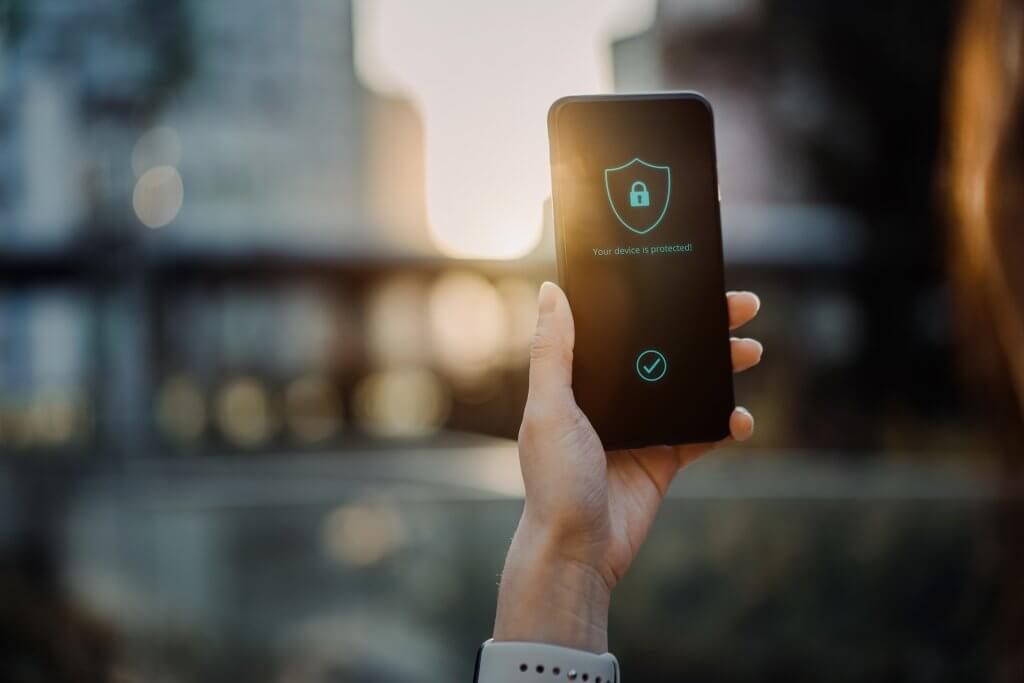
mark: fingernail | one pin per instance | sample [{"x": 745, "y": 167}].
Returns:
[
  {"x": 744, "y": 411},
  {"x": 548, "y": 298},
  {"x": 757, "y": 299},
  {"x": 759, "y": 345}
]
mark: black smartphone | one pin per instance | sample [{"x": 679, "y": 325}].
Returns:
[{"x": 639, "y": 241}]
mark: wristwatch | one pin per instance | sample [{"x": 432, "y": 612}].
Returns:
[{"x": 512, "y": 662}]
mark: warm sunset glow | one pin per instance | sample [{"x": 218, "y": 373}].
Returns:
[{"x": 483, "y": 77}]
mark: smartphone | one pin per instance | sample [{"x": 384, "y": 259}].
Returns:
[{"x": 639, "y": 248}]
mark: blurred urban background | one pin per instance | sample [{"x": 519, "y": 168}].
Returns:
[{"x": 267, "y": 279}]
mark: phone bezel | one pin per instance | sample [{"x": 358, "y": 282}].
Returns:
[{"x": 564, "y": 279}]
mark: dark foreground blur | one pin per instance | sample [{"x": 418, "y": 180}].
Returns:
[{"x": 383, "y": 567}]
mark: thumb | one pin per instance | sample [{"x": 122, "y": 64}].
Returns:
[{"x": 551, "y": 346}]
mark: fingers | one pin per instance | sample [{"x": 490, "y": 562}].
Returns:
[
  {"x": 551, "y": 345},
  {"x": 741, "y": 424},
  {"x": 743, "y": 306},
  {"x": 746, "y": 353}
]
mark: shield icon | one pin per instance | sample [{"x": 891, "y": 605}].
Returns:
[{"x": 638, "y": 193}]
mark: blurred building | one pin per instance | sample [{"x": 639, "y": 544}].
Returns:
[
  {"x": 232, "y": 209},
  {"x": 159, "y": 162}
]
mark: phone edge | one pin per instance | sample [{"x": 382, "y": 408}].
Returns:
[{"x": 562, "y": 266}]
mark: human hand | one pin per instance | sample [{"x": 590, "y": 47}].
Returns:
[{"x": 586, "y": 513}]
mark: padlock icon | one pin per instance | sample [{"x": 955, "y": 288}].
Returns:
[{"x": 638, "y": 196}]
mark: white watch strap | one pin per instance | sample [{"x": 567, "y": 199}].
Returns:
[{"x": 511, "y": 662}]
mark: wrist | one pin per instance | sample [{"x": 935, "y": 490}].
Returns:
[{"x": 548, "y": 596}]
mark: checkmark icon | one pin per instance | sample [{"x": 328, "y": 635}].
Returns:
[
  {"x": 649, "y": 369},
  {"x": 651, "y": 365}
]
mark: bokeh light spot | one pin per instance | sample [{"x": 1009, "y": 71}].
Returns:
[
  {"x": 402, "y": 403},
  {"x": 362, "y": 534},
  {"x": 312, "y": 409},
  {"x": 468, "y": 323},
  {"x": 244, "y": 413},
  {"x": 181, "y": 409},
  {"x": 158, "y": 196},
  {"x": 160, "y": 146}
]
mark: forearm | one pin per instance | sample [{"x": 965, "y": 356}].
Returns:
[{"x": 545, "y": 597}]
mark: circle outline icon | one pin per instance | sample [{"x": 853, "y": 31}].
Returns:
[{"x": 643, "y": 374}]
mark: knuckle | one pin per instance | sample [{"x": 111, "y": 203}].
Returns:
[
  {"x": 541, "y": 345},
  {"x": 544, "y": 345}
]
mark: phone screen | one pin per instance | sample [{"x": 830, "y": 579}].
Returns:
[{"x": 639, "y": 241}]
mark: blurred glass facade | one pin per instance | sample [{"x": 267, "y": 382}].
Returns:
[
  {"x": 265, "y": 302},
  {"x": 230, "y": 228}
]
